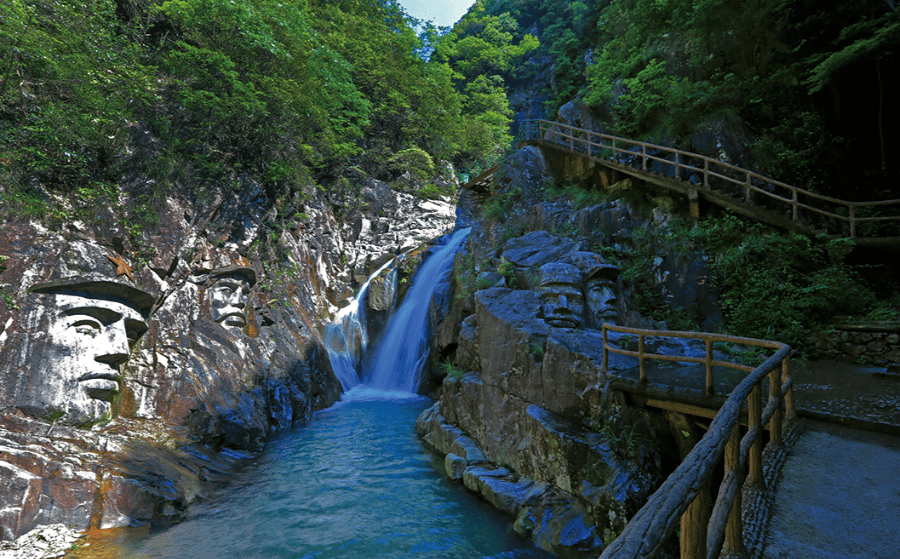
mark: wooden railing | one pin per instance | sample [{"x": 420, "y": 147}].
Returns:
[
  {"x": 685, "y": 495},
  {"x": 706, "y": 172}
]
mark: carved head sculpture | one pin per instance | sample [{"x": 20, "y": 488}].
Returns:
[
  {"x": 600, "y": 288},
  {"x": 90, "y": 329},
  {"x": 230, "y": 294},
  {"x": 562, "y": 299}
]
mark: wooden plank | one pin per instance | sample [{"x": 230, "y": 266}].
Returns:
[
  {"x": 555, "y": 127},
  {"x": 734, "y": 531},
  {"x": 680, "y": 407}
]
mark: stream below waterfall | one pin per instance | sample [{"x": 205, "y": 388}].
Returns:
[{"x": 356, "y": 482}]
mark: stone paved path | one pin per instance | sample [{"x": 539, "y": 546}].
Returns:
[{"x": 838, "y": 497}]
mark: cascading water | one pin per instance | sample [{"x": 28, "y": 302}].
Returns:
[
  {"x": 403, "y": 349},
  {"x": 356, "y": 482},
  {"x": 346, "y": 338}
]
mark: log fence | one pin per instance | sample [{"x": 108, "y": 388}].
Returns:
[{"x": 684, "y": 497}]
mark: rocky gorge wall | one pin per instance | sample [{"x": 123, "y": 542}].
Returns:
[
  {"x": 525, "y": 416},
  {"x": 136, "y": 365}
]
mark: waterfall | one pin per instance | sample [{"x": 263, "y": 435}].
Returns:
[
  {"x": 404, "y": 346},
  {"x": 346, "y": 338}
]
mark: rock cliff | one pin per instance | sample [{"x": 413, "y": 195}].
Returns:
[
  {"x": 525, "y": 417},
  {"x": 142, "y": 358}
]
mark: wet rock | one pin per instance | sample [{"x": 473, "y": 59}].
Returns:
[
  {"x": 455, "y": 466},
  {"x": 467, "y": 349}
]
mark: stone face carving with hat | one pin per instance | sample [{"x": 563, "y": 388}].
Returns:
[
  {"x": 74, "y": 336},
  {"x": 562, "y": 298},
  {"x": 581, "y": 290}
]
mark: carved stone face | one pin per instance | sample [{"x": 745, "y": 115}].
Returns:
[
  {"x": 228, "y": 300},
  {"x": 600, "y": 290},
  {"x": 87, "y": 341},
  {"x": 562, "y": 299},
  {"x": 602, "y": 302}
]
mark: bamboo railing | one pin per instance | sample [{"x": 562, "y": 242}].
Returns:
[
  {"x": 712, "y": 174},
  {"x": 684, "y": 497}
]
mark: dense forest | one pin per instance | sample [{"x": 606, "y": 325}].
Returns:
[
  {"x": 307, "y": 88},
  {"x": 295, "y": 92},
  {"x": 805, "y": 88}
]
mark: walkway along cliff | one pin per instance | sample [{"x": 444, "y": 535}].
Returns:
[{"x": 597, "y": 429}]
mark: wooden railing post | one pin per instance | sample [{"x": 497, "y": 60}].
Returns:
[
  {"x": 709, "y": 367},
  {"x": 734, "y": 532},
  {"x": 558, "y": 134},
  {"x": 795, "y": 204},
  {"x": 641, "y": 360},
  {"x": 605, "y": 350},
  {"x": 778, "y": 416},
  {"x": 754, "y": 421},
  {"x": 790, "y": 412},
  {"x": 694, "y": 523}
]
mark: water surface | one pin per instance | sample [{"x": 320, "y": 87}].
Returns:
[{"x": 354, "y": 483}]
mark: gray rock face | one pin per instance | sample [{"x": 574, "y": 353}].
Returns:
[
  {"x": 47, "y": 541},
  {"x": 135, "y": 364},
  {"x": 557, "y": 451},
  {"x": 527, "y": 409}
]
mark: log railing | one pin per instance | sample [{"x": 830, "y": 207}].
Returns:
[
  {"x": 706, "y": 172},
  {"x": 684, "y": 496}
]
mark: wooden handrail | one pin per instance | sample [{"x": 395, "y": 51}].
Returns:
[
  {"x": 684, "y": 497},
  {"x": 580, "y": 140}
]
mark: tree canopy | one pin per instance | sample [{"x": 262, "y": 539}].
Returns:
[{"x": 289, "y": 90}]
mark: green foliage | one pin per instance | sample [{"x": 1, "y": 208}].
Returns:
[
  {"x": 7, "y": 297},
  {"x": 626, "y": 438},
  {"x": 580, "y": 196},
  {"x": 22, "y": 201},
  {"x": 778, "y": 285},
  {"x": 464, "y": 275},
  {"x": 886, "y": 310},
  {"x": 508, "y": 271},
  {"x": 869, "y": 38},
  {"x": 281, "y": 90},
  {"x": 414, "y": 161},
  {"x": 501, "y": 203},
  {"x": 773, "y": 285},
  {"x": 451, "y": 371},
  {"x": 69, "y": 79}
]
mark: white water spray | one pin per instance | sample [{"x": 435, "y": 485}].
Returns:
[
  {"x": 346, "y": 338},
  {"x": 404, "y": 347}
]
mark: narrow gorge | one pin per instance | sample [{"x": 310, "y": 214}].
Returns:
[{"x": 314, "y": 278}]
